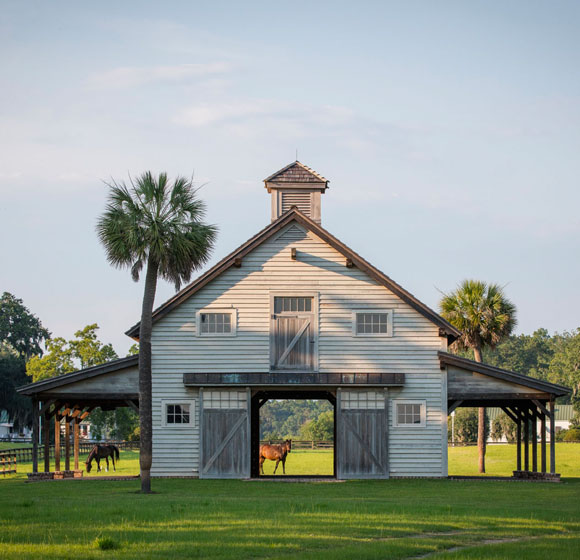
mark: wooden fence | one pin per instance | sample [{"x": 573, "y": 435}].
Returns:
[
  {"x": 7, "y": 463},
  {"x": 24, "y": 454},
  {"x": 302, "y": 443}
]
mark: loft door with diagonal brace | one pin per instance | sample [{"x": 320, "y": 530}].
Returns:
[{"x": 293, "y": 336}]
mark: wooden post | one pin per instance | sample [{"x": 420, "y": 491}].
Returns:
[
  {"x": 519, "y": 441},
  {"x": 543, "y": 434},
  {"x": 552, "y": 436},
  {"x": 46, "y": 440},
  {"x": 35, "y": 421},
  {"x": 67, "y": 420},
  {"x": 77, "y": 422},
  {"x": 534, "y": 443},
  {"x": 526, "y": 440},
  {"x": 57, "y": 441}
]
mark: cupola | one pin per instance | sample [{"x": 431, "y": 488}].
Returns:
[{"x": 296, "y": 185}]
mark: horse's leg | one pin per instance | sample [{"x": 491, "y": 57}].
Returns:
[
  {"x": 107, "y": 459},
  {"x": 277, "y": 463},
  {"x": 98, "y": 464},
  {"x": 284, "y": 464},
  {"x": 113, "y": 459}
]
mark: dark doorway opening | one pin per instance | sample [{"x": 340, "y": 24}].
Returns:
[{"x": 259, "y": 399}]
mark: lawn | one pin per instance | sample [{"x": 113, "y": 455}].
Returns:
[
  {"x": 13, "y": 445},
  {"x": 262, "y": 519}
]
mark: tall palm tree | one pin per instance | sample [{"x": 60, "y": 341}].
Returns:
[
  {"x": 154, "y": 224},
  {"x": 485, "y": 317}
]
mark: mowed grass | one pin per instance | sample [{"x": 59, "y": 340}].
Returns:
[
  {"x": 262, "y": 519},
  {"x": 12, "y": 445},
  {"x": 500, "y": 460},
  {"x": 304, "y": 462}
]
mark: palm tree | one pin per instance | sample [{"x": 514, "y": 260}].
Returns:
[
  {"x": 156, "y": 225},
  {"x": 485, "y": 317}
]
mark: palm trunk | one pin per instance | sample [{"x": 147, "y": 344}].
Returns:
[
  {"x": 480, "y": 423},
  {"x": 145, "y": 406}
]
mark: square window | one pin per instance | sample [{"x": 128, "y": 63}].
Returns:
[
  {"x": 409, "y": 414},
  {"x": 373, "y": 323},
  {"x": 216, "y": 323}
]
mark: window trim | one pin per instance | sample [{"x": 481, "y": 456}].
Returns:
[
  {"x": 388, "y": 334},
  {"x": 192, "y": 412},
  {"x": 234, "y": 321},
  {"x": 421, "y": 403}
]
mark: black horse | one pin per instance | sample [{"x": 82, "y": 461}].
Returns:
[{"x": 102, "y": 452}]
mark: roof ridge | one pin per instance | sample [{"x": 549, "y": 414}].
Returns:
[{"x": 293, "y": 164}]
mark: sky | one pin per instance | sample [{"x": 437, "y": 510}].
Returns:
[{"x": 449, "y": 132}]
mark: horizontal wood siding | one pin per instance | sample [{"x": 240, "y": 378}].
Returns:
[
  {"x": 419, "y": 451},
  {"x": 319, "y": 269},
  {"x": 175, "y": 449}
]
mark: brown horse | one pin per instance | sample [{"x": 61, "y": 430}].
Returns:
[
  {"x": 101, "y": 451},
  {"x": 276, "y": 453}
]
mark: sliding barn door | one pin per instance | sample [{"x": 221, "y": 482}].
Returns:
[
  {"x": 225, "y": 434},
  {"x": 361, "y": 433},
  {"x": 293, "y": 334}
]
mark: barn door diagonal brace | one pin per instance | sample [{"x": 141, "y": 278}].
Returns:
[
  {"x": 363, "y": 445},
  {"x": 226, "y": 440},
  {"x": 293, "y": 342}
]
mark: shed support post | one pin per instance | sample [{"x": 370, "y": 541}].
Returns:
[
  {"x": 46, "y": 440},
  {"x": 77, "y": 422},
  {"x": 526, "y": 439},
  {"x": 552, "y": 436},
  {"x": 519, "y": 442},
  {"x": 534, "y": 443},
  {"x": 35, "y": 420},
  {"x": 67, "y": 443},
  {"x": 543, "y": 434},
  {"x": 57, "y": 441}
]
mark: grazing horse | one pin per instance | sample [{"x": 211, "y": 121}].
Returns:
[
  {"x": 275, "y": 453},
  {"x": 102, "y": 452}
]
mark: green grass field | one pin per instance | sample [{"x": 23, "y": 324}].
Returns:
[
  {"x": 261, "y": 519},
  {"x": 11, "y": 445}
]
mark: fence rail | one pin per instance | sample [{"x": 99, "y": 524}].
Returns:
[
  {"x": 7, "y": 464},
  {"x": 302, "y": 443},
  {"x": 24, "y": 454}
]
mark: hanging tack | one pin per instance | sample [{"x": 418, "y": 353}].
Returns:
[{"x": 293, "y": 253}]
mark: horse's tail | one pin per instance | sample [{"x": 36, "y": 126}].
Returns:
[{"x": 116, "y": 450}]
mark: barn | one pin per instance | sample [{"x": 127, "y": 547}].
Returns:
[{"x": 295, "y": 313}]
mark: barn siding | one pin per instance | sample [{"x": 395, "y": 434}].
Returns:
[{"x": 321, "y": 270}]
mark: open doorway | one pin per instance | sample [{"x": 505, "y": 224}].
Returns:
[{"x": 295, "y": 431}]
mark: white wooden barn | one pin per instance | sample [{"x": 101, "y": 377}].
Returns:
[{"x": 294, "y": 313}]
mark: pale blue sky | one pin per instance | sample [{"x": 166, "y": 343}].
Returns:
[{"x": 450, "y": 132}]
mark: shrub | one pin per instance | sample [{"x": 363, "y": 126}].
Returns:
[
  {"x": 573, "y": 434},
  {"x": 466, "y": 420}
]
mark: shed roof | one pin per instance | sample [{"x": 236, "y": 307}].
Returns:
[
  {"x": 517, "y": 378},
  {"x": 77, "y": 376},
  {"x": 294, "y": 215}
]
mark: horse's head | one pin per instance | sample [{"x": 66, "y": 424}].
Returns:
[
  {"x": 89, "y": 466},
  {"x": 288, "y": 444}
]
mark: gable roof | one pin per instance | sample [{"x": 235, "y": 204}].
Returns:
[
  {"x": 503, "y": 374},
  {"x": 296, "y": 172},
  {"x": 295, "y": 215},
  {"x": 80, "y": 375}
]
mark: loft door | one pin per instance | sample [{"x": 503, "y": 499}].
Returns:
[{"x": 293, "y": 334}]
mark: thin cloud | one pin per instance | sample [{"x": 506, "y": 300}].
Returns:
[{"x": 132, "y": 76}]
